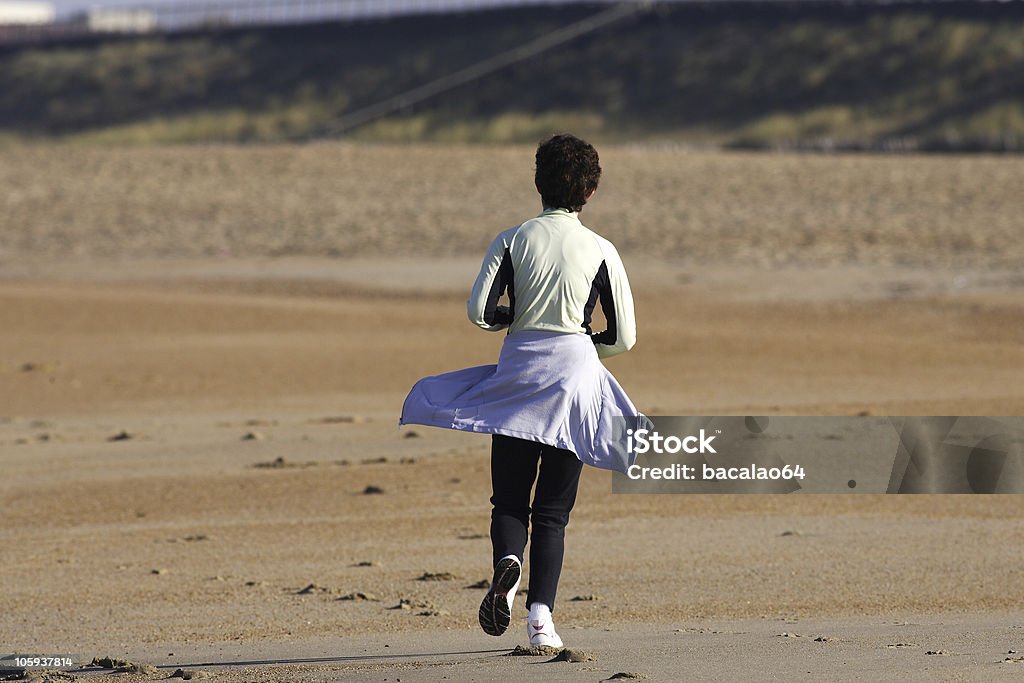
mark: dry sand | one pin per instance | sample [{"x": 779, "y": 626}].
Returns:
[
  {"x": 341, "y": 199},
  {"x": 187, "y": 445}
]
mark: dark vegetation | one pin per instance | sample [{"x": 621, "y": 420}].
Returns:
[{"x": 943, "y": 76}]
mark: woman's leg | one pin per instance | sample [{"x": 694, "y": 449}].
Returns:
[
  {"x": 513, "y": 471},
  {"x": 553, "y": 501}
]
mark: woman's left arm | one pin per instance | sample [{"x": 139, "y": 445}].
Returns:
[{"x": 617, "y": 304}]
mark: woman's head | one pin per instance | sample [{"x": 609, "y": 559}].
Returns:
[{"x": 568, "y": 171}]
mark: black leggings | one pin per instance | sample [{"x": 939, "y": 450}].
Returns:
[{"x": 513, "y": 472}]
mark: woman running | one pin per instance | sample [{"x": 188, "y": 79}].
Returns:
[{"x": 549, "y": 401}]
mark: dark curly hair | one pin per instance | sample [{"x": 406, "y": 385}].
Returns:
[{"x": 568, "y": 170}]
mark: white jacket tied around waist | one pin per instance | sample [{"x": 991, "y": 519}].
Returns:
[
  {"x": 549, "y": 384},
  {"x": 548, "y": 387}
]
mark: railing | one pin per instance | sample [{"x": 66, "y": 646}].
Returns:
[
  {"x": 210, "y": 14},
  {"x": 186, "y": 15},
  {"x": 190, "y": 13}
]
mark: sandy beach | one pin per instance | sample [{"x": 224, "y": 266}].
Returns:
[{"x": 191, "y": 447}]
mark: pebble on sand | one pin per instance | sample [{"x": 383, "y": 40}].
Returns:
[
  {"x": 277, "y": 463},
  {"x": 370, "y": 597},
  {"x": 340, "y": 419},
  {"x": 36, "y": 367},
  {"x": 406, "y": 603},
  {"x": 122, "y": 665},
  {"x": 371, "y": 489},
  {"x": 121, "y": 436},
  {"x": 43, "y": 676}
]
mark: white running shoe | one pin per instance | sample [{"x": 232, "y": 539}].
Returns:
[
  {"x": 543, "y": 633},
  {"x": 496, "y": 608}
]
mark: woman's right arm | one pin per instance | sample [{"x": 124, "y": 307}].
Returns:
[{"x": 496, "y": 275}]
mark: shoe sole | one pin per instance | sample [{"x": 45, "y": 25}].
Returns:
[{"x": 495, "y": 612}]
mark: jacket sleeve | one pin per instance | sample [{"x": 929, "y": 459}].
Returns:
[
  {"x": 617, "y": 305},
  {"x": 495, "y": 277}
]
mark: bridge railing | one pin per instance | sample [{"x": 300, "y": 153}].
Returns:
[{"x": 199, "y": 14}]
